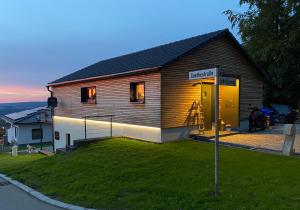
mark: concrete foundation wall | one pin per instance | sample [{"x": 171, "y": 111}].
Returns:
[
  {"x": 182, "y": 133},
  {"x": 97, "y": 129},
  {"x": 175, "y": 134}
]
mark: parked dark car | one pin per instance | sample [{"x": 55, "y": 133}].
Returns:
[{"x": 286, "y": 114}]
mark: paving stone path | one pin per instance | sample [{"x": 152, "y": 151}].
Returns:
[{"x": 269, "y": 139}]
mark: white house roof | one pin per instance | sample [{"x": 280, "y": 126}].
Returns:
[{"x": 19, "y": 115}]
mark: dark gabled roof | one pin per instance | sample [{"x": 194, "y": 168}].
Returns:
[
  {"x": 146, "y": 59},
  {"x": 19, "y": 116}
]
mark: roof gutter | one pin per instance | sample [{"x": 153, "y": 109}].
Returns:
[
  {"x": 30, "y": 115},
  {"x": 52, "y": 115},
  {"x": 7, "y": 119},
  {"x": 104, "y": 76}
]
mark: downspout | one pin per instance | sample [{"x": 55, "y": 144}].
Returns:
[{"x": 52, "y": 117}]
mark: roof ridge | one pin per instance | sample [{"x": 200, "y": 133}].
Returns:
[
  {"x": 26, "y": 112},
  {"x": 169, "y": 43},
  {"x": 142, "y": 59}
]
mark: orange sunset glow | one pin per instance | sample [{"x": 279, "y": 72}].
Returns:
[{"x": 22, "y": 94}]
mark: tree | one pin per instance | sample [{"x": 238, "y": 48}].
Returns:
[{"x": 270, "y": 32}]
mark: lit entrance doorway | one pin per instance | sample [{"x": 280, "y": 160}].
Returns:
[{"x": 228, "y": 102}]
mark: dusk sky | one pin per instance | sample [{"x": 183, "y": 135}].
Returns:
[{"x": 43, "y": 40}]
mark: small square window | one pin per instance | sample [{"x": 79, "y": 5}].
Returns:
[
  {"x": 88, "y": 95},
  {"x": 137, "y": 92},
  {"x": 37, "y": 134}
]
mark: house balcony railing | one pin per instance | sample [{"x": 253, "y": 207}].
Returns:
[{"x": 93, "y": 130}]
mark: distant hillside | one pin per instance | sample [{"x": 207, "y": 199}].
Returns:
[{"x": 7, "y": 108}]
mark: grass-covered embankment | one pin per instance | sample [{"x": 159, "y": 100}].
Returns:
[{"x": 126, "y": 174}]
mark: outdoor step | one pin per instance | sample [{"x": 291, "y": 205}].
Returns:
[
  {"x": 46, "y": 152},
  {"x": 211, "y": 135},
  {"x": 60, "y": 150}
]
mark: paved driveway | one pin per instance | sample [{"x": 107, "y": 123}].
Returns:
[
  {"x": 12, "y": 198},
  {"x": 269, "y": 139}
]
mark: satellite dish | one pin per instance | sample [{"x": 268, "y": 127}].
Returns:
[{"x": 7, "y": 126}]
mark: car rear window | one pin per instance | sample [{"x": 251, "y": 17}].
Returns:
[{"x": 284, "y": 109}]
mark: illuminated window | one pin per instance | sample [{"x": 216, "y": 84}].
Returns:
[
  {"x": 137, "y": 92},
  {"x": 88, "y": 95}
]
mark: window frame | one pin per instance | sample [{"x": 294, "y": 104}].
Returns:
[
  {"x": 136, "y": 83},
  {"x": 68, "y": 139},
  {"x": 86, "y": 102},
  {"x": 56, "y": 135},
  {"x": 16, "y": 132},
  {"x": 40, "y": 135}
]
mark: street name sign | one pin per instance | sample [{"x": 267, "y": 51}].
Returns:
[
  {"x": 213, "y": 73},
  {"x": 202, "y": 74}
]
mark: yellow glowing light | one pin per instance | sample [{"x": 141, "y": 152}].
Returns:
[{"x": 106, "y": 123}]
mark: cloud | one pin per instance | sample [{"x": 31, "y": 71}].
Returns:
[{"x": 22, "y": 94}]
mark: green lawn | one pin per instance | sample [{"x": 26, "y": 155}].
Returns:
[
  {"x": 127, "y": 174},
  {"x": 35, "y": 145}
]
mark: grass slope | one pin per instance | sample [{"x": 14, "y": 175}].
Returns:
[{"x": 126, "y": 174}]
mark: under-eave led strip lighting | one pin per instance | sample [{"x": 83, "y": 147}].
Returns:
[{"x": 107, "y": 123}]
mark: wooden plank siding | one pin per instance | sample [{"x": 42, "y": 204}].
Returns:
[
  {"x": 178, "y": 94},
  {"x": 113, "y": 97},
  {"x": 169, "y": 94}
]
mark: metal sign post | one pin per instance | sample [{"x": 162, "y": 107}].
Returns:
[
  {"x": 217, "y": 188},
  {"x": 212, "y": 73}
]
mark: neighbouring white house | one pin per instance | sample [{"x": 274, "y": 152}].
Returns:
[{"x": 29, "y": 126}]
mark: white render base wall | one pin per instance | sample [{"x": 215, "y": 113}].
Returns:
[
  {"x": 97, "y": 129},
  {"x": 175, "y": 134},
  {"x": 22, "y": 133},
  {"x": 11, "y": 134}
]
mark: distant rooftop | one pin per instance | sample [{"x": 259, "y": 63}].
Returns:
[{"x": 20, "y": 115}]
